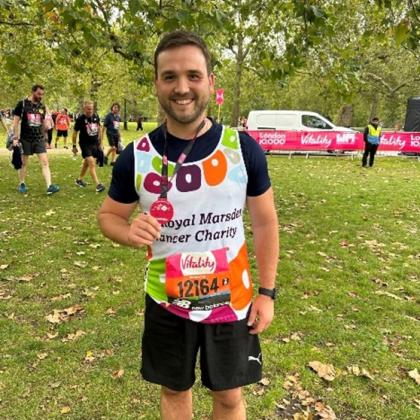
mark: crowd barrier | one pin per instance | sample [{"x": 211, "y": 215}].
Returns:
[{"x": 273, "y": 140}]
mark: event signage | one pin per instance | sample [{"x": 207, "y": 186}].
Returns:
[{"x": 272, "y": 140}]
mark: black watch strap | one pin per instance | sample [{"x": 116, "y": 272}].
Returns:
[{"x": 268, "y": 292}]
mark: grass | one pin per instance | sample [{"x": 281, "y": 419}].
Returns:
[{"x": 346, "y": 235}]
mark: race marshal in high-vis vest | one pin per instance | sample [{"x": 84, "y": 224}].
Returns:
[
  {"x": 374, "y": 134},
  {"x": 372, "y": 139},
  {"x": 180, "y": 195}
]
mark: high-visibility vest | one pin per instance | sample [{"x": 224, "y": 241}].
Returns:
[{"x": 374, "y": 134}]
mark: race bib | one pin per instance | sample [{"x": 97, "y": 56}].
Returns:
[
  {"x": 92, "y": 129},
  {"x": 198, "y": 281},
  {"x": 116, "y": 124},
  {"x": 34, "y": 120}
]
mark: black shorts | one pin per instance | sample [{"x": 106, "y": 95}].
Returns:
[
  {"x": 113, "y": 139},
  {"x": 31, "y": 147},
  {"x": 62, "y": 133},
  {"x": 230, "y": 356},
  {"x": 89, "y": 150}
]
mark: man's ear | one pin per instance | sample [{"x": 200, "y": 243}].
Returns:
[{"x": 212, "y": 80}]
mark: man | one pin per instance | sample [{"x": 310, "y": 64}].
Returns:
[
  {"x": 112, "y": 124},
  {"x": 62, "y": 124},
  {"x": 90, "y": 140},
  {"x": 29, "y": 114},
  {"x": 372, "y": 138},
  {"x": 198, "y": 282}
]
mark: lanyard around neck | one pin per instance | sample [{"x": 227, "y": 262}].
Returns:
[{"x": 165, "y": 181}]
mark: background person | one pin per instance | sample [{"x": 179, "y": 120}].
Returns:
[
  {"x": 112, "y": 125},
  {"x": 88, "y": 126},
  {"x": 372, "y": 138},
  {"x": 62, "y": 125},
  {"x": 29, "y": 115}
]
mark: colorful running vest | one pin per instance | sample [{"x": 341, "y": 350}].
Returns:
[
  {"x": 374, "y": 134},
  {"x": 199, "y": 267}
]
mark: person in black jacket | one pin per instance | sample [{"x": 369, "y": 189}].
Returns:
[{"x": 372, "y": 138}]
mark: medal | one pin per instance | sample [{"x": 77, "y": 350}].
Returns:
[{"x": 162, "y": 210}]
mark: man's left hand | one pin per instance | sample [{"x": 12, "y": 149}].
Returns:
[{"x": 262, "y": 313}]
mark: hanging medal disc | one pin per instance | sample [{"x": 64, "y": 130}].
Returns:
[{"x": 162, "y": 210}]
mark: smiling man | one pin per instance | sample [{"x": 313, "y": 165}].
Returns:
[{"x": 199, "y": 290}]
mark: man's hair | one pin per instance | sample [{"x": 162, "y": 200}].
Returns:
[
  {"x": 115, "y": 103},
  {"x": 375, "y": 119},
  {"x": 180, "y": 39},
  {"x": 36, "y": 87},
  {"x": 86, "y": 103}
]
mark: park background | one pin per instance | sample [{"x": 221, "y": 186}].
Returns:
[{"x": 71, "y": 302}]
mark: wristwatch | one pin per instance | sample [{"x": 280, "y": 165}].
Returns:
[{"x": 268, "y": 292}]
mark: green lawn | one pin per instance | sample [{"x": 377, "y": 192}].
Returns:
[{"x": 348, "y": 278}]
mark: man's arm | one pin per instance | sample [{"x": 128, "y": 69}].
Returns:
[
  {"x": 365, "y": 134},
  {"x": 114, "y": 221},
  {"x": 16, "y": 123},
  {"x": 266, "y": 244}
]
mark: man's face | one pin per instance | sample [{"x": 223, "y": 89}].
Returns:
[
  {"x": 37, "y": 95},
  {"x": 183, "y": 85},
  {"x": 115, "y": 109},
  {"x": 88, "y": 110}
]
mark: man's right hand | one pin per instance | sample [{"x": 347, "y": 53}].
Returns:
[{"x": 144, "y": 230}]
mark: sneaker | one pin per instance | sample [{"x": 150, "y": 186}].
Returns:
[
  {"x": 105, "y": 160},
  {"x": 81, "y": 183},
  {"x": 53, "y": 189},
  {"x": 100, "y": 188},
  {"x": 112, "y": 163},
  {"x": 22, "y": 188}
]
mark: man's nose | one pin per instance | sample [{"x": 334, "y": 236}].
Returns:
[{"x": 182, "y": 86}]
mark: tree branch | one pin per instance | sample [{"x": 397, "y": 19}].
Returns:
[{"x": 4, "y": 22}]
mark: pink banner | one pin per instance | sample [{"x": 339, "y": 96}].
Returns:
[{"x": 271, "y": 140}]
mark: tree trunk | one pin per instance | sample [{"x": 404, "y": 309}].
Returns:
[
  {"x": 374, "y": 106},
  {"x": 345, "y": 118},
  {"x": 237, "y": 84}
]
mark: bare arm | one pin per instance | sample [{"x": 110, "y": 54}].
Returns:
[
  {"x": 266, "y": 236},
  {"x": 114, "y": 221},
  {"x": 266, "y": 243}
]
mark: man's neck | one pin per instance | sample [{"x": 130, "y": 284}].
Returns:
[{"x": 188, "y": 132}]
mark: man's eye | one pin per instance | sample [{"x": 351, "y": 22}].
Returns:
[
  {"x": 169, "y": 77},
  {"x": 194, "y": 76}
]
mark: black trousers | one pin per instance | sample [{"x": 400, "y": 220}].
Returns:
[{"x": 370, "y": 151}]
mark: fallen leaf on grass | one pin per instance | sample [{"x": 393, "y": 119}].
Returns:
[
  {"x": 264, "y": 382},
  {"x": 355, "y": 370},
  {"x": 64, "y": 315},
  {"x": 65, "y": 410},
  {"x": 415, "y": 375},
  {"x": 73, "y": 336},
  {"x": 81, "y": 264},
  {"x": 118, "y": 374},
  {"x": 4, "y": 266},
  {"x": 89, "y": 357},
  {"x": 111, "y": 312},
  {"x": 42, "y": 356},
  {"x": 324, "y": 371},
  {"x": 391, "y": 295}
]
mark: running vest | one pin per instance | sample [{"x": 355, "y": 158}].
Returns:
[
  {"x": 374, "y": 134},
  {"x": 199, "y": 267}
]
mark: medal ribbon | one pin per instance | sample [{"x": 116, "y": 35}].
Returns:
[{"x": 165, "y": 181}]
